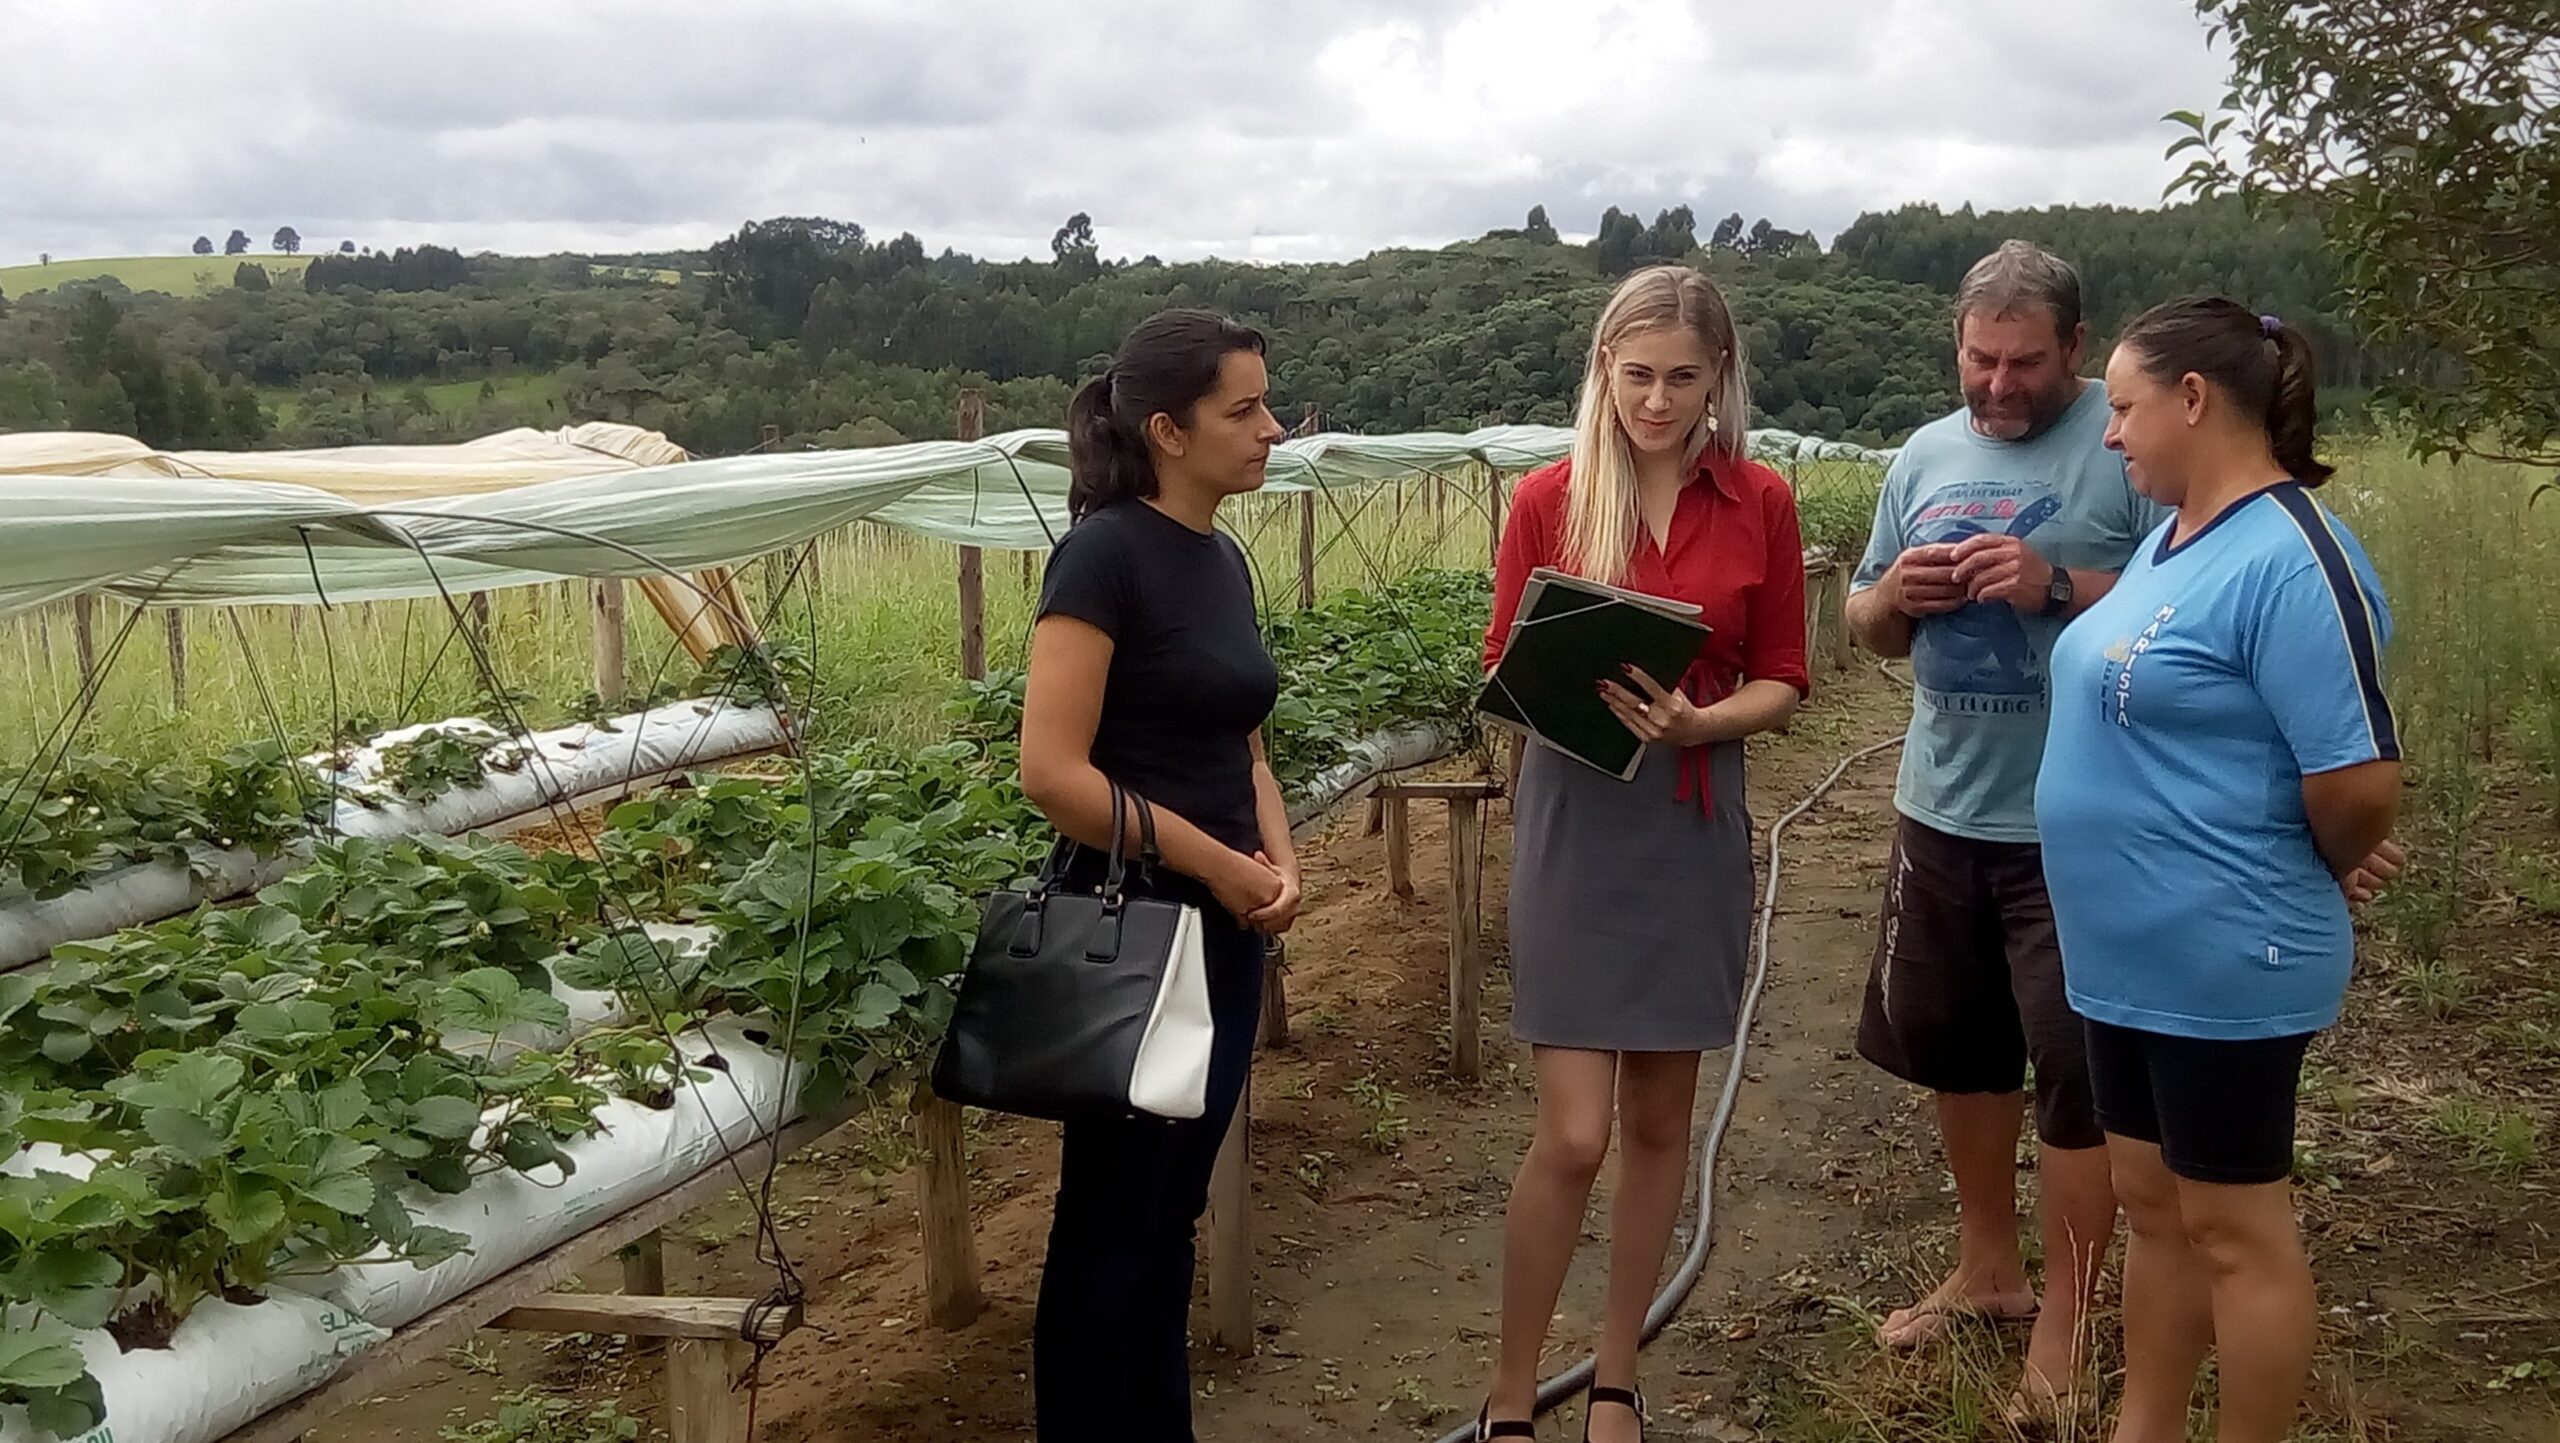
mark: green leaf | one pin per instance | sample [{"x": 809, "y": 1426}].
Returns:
[
  {"x": 39, "y": 1353},
  {"x": 185, "y": 1133},
  {"x": 68, "y": 1412},
  {"x": 427, "y": 1246},
  {"x": 337, "y": 1177},
  {"x": 71, "y": 1282},
  {"x": 445, "y": 1117},
  {"x": 245, "y": 1212}
]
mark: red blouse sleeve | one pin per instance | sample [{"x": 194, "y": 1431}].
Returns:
[
  {"x": 1773, "y": 646},
  {"x": 1528, "y": 542}
]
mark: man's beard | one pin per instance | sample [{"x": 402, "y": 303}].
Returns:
[{"x": 2042, "y": 411}]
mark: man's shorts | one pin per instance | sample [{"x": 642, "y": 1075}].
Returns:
[
  {"x": 2219, "y": 1111},
  {"x": 1966, "y": 986}
]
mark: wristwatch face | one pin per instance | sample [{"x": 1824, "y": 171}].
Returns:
[{"x": 2057, "y": 593}]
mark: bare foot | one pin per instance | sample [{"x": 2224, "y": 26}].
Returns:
[
  {"x": 1998, "y": 1299},
  {"x": 2038, "y": 1409}
]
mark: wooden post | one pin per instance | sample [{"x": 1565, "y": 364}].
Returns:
[
  {"x": 951, "y": 1296},
  {"x": 1230, "y": 1241},
  {"x": 1493, "y": 509},
  {"x": 1399, "y": 847},
  {"x": 1274, "y": 1030},
  {"x": 609, "y": 640},
  {"x": 703, "y": 1403},
  {"x": 1306, "y": 550},
  {"x": 84, "y": 635},
  {"x": 177, "y": 624},
  {"x": 971, "y": 424},
  {"x": 479, "y": 611},
  {"x": 1466, "y": 953},
  {"x": 1835, "y": 600},
  {"x": 768, "y": 436},
  {"x": 644, "y": 1274}
]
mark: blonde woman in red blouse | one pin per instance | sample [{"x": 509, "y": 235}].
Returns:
[{"x": 1631, "y": 901}]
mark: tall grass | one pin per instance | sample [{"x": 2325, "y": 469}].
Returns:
[{"x": 2474, "y": 666}]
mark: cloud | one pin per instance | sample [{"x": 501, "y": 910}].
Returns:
[{"x": 1185, "y": 129}]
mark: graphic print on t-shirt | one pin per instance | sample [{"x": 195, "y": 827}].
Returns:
[{"x": 1978, "y": 658}]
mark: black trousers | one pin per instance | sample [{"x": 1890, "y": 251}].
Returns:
[{"x": 1110, "y": 1346}]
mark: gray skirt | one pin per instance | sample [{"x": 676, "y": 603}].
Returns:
[{"x": 1630, "y": 908}]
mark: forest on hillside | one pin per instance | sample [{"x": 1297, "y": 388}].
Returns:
[{"x": 833, "y": 337}]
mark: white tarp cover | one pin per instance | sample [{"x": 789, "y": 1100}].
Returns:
[{"x": 177, "y": 534}]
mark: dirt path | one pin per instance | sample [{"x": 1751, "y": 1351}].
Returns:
[{"x": 1378, "y": 1190}]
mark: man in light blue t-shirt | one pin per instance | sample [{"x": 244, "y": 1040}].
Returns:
[{"x": 1997, "y": 524}]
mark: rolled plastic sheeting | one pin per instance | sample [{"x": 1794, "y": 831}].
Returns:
[
  {"x": 1387, "y": 751},
  {"x": 226, "y": 1365},
  {"x": 31, "y": 927},
  {"x": 640, "y": 1153},
  {"x": 560, "y": 767}
]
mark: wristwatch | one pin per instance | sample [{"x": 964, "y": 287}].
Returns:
[{"x": 2057, "y": 594}]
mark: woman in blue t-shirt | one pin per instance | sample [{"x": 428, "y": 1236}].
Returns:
[{"x": 2219, "y": 783}]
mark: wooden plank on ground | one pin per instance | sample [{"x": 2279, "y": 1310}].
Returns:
[
  {"x": 1471, "y": 789},
  {"x": 631, "y": 1316}
]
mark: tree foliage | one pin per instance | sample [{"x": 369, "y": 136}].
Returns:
[{"x": 2425, "y": 138}]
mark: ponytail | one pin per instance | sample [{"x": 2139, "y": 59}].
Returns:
[
  {"x": 2293, "y": 413},
  {"x": 2264, "y": 365},
  {"x": 1106, "y": 461},
  {"x": 1165, "y": 367}
]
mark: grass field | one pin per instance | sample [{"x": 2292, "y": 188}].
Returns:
[
  {"x": 177, "y": 275},
  {"x": 447, "y": 398}
]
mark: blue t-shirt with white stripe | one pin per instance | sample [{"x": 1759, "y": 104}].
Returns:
[{"x": 2188, "y": 705}]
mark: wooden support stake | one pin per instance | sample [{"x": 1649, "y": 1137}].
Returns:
[
  {"x": 1230, "y": 1240},
  {"x": 1493, "y": 509},
  {"x": 177, "y": 623},
  {"x": 610, "y": 640},
  {"x": 1466, "y": 954},
  {"x": 644, "y": 1266},
  {"x": 1835, "y": 600},
  {"x": 970, "y": 424},
  {"x": 1306, "y": 550},
  {"x": 704, "y": 1405},
  {"x": 1274, "y": 1030},
  {"x": 84, "y": 635},
  {"x": 1399, "y": 846},
  {"x": 951, "y": 1295}
]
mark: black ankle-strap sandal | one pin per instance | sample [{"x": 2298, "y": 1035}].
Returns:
[
  {"x": 1486, "y": 1429},
  {"x": 1632, "y": 1398}
]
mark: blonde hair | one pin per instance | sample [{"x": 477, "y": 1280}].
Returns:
[{"x": 1601, "y": 515}]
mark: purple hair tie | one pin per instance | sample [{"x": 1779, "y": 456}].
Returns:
[{"x": 2268, "y": 326}]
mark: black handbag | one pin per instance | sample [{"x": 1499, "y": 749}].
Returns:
[{"x": 1077, "y": 1004}]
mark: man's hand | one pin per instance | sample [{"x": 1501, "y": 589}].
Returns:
[
  {"x": 2002, "y": 568},
  {"x": 1922, "y": 581}
]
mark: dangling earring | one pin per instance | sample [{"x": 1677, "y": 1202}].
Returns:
[{"x": 1715, "y": 423}]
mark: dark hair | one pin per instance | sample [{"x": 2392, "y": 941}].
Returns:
[
  {"x": 2259, "y": 361},
  {"x": 1169, "y": 363}
]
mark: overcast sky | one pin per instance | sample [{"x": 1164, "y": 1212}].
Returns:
[{"x": 1186, "y": 129}]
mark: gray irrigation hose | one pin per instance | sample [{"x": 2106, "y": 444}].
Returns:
[{"x": 1667, "y": 1303}]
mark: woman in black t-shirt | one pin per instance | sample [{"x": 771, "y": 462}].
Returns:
[{"x": 1147, "y": 669}]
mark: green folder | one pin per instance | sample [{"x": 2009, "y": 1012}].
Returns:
[{"x": 1571, "y": 634}]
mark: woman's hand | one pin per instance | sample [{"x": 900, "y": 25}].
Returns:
[
  {"x": 2365, "y": 880},
  {"x": 1658, "y": 716},
  {"x": 1248, "y": 885},
  {"x": 1274, "y": 918}
]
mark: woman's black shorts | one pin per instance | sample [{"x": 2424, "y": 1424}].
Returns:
[{"x": 2219, "y": 1110}]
